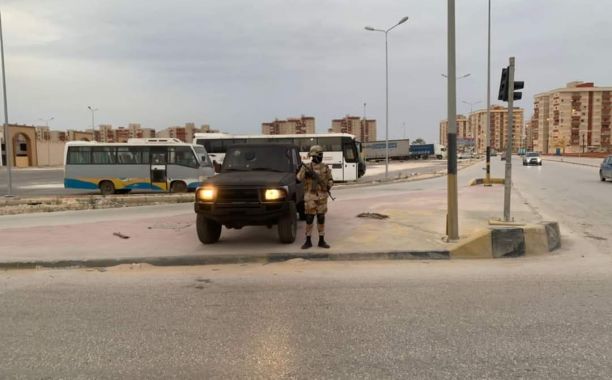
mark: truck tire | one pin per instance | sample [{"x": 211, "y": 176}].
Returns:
[
  {"x": 287, "y": 225},
  {"x": 209, "y": 231}
]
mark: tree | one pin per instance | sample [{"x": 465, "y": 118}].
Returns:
[{"x": 419, "y": 141}]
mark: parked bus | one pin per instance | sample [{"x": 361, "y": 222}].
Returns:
[
  {"x": 342, "y": 152},
  {"x": 140, "y": 164}
]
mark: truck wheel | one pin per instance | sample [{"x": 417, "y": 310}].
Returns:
[
  {"x": 107, "y": 188},
  {"x": 301, "y": 210},
  {"x": 209, "y": 231},
  {"x": 287, "y": 225}
]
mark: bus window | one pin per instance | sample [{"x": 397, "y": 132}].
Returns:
[
  {"x": 79, "y": 155},
  {"x": 216, "y": 146},
  {"x": 350, "y": 153},
  {"x": 104, "y": 155},
  {"x": 304, "y": 143},
  {"x": 182, "y": 155},
  {"x": 330, "y": 144},
  {"x": 132, "y": 155},
  {"x": 158, "y": 156}
]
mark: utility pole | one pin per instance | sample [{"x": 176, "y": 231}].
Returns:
[
  {"x": 7, "y": 143},
  {"x": 487, "y": 181},
  {"x": 452, "y": 218}
]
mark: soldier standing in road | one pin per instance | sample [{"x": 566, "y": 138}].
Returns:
[{"x": 318, "y": 181}]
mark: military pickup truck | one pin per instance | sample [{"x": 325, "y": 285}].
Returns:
[{"x": 256, "y": 186}]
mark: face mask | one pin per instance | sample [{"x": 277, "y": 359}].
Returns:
[{"x": 317, "y": 159}]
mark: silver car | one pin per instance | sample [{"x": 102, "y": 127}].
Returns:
[
  {"x": 605, "y": 170},
  {"x": 532, "y": 158}
]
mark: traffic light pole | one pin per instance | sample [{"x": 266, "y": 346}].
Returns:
[
  {"x": 452, "y": 217},
  {"x": 508, "y": 178}
]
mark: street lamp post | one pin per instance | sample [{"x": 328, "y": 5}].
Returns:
[
  {"x": 386, "y": 32},
  {"x": 93, "y": 128},
  {"x": 452, "y": 217},
  {"x": 7, "y": 144},
  {"x": 48, "y": 138},
  {"x": 487, "y": 181}
]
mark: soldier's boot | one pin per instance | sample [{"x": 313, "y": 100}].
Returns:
[
  {"x": 308, "y": 243},
  {"x": 323, "y": 243}
]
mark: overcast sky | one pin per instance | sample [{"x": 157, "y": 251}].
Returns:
[{"x": 236, "y": 63}]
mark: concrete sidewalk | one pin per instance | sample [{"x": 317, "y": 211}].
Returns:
[{"x": 166, "y": 234}]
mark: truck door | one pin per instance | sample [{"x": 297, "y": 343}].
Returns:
[{"x": 159, "y": 168}]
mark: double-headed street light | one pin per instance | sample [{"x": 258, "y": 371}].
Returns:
[{"x": 386, "y": 32}]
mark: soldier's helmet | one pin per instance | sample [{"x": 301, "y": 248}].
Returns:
[{"x": 315, "y": 150}]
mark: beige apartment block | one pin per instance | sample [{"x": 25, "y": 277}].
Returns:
[
  {"x": 499, "y": 128},
  {"x": 363, "y": 130},
  {"x": 185, "y": 133},
  {"x": 464, "y": 130},
  {"x": 291, "y": 126},
  {"x": 573, "y": 119}
]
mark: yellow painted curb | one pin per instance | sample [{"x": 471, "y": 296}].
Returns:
[
  {"x": 536, "y": 240},
  {"x": 481, "y": 181},
  {"x": 476, "y": 246}
]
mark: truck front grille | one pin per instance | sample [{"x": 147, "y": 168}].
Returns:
[{"x": 237, "y": 195}]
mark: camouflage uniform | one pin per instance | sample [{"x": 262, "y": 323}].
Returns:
[{"x": 315, "y": 194}]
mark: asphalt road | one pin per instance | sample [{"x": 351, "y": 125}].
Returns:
[
  {"x": 546, "y": 317},
  {"x": 503, "y": 319},
  {"x": 571, "y": 194}
]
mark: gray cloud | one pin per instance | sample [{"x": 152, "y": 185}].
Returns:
[{"x": 234, "y": 64}]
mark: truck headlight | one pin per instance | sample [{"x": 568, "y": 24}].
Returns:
[
  {"x": 274, "y": 194},
  {"x": 207, "y": 194}
]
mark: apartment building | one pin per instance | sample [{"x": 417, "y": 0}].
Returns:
[
  {"x": 291, "y": 126},
  {"x": 363, "y": 130},
  {"x": 499, "y": 128},
  {"x": 464, "y": 131},
  {"x": 573, "y": 119}
]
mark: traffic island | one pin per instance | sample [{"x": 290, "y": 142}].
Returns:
[{"x": 515, "y": 241}]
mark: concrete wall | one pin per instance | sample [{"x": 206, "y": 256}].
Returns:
[{"x": 50, "y": 153}]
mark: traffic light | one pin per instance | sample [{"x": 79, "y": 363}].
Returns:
[
  {"x": 504, "y": 84},
  {"x": 518, "y": 85}
]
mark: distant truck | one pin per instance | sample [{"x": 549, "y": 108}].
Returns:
[
  {"x": 402, "y": 150},
  {"x": 424, "y": 151},
  {"x": 376, "y": 150}
]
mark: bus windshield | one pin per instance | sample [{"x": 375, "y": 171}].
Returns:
[
  {"x": 257, "y": 157},
  {"x": 201, "y": 155}
]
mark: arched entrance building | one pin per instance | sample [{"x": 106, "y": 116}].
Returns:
[{"x": 23, "y": 145}]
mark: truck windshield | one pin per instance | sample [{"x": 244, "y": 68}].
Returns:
[
  {"x": 251, "y": 158},
  {"x": 532, "y": 154}
]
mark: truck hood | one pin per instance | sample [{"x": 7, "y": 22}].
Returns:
[{"x": 251, "y": 178}]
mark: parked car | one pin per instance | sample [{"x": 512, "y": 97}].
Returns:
[
  {"x": 503, "y": 156},
  {"x": 493, "y": 153},
  {"x": 257, "y": 185},
  {"x": 532, "y": 158},
  {"x": 605, "y": 170}
]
